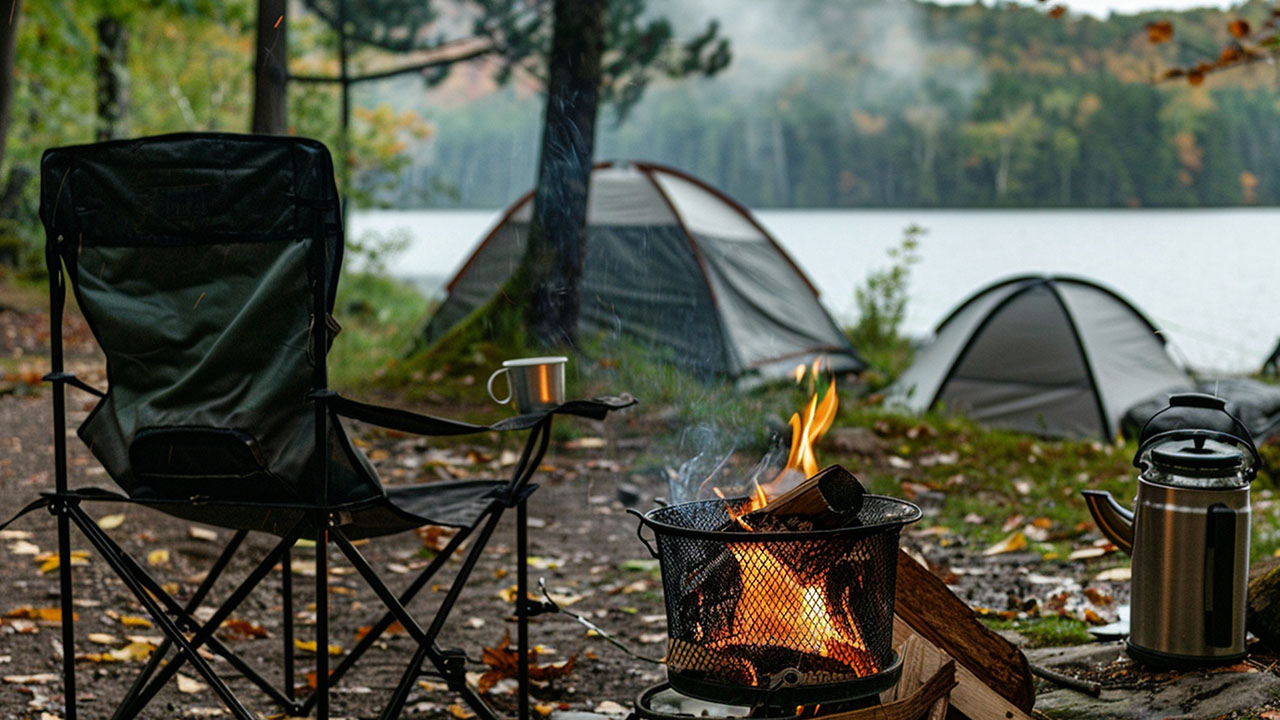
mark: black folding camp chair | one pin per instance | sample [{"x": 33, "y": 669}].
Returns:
[{"x": 206, "y": 266}]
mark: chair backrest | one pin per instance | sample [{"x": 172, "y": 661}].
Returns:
[{"x": 201, "y": 262}]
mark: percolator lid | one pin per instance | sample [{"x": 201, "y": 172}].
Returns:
[{"x": 1197, "y": 457}]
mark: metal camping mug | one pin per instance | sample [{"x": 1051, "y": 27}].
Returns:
[{"x": 535, "y": 383}]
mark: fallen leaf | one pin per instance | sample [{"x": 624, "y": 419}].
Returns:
[
  {"x": 50, "y": 561},
  {"x": 394, "y": 628},
  {"x": 190, "y": 685},
  {"x": 103, "y": 638},
  {"x": 1239, "y": 29},
  {"x": 1098, "y": 597},
  {"x": 135, "y": 651},
  {"x": 503, "y": 663},
  {"x": 134, "y": 621},
  {"x": 652, "y": 638},
  {"x": 585, "y": 443},
  {"x": 460, "y": 712},
  {"x": 310, "y": 646},
  {"x": 543, "y": 709},
  {"x": 158, "y": 557},
  {"x": 38, "y": 679},
  {"x": 22, "y": 547},
  {"x": 1015, "y": 521},
  {"x": 50, "y": 615},
  {"x": 1012, "y": 543},
  {"x": 237, "y": 629},
  {"x": 111, "y": 522},
  {"x": 609, "y": 707},
  {"x": 1120, "y": 574},
  {"x": 199, "y": 533},
  {"x": 435, "y": 537},
  {"x": 1087, "y": 553}
]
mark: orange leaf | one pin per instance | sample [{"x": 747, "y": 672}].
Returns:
[
  {"x": 1195, "y": 77},
  {"x": 1160, "y": 32},
  {"x": 1057, "y": 11},
  {"x": 1229, "y": 54},
  {"x": 237, "y": 629},
  {"x": 503, "y": 663},
  {"x": 394, "y": 628},
  {"x": 46, "y": 614},
  {"x": 1239, "y": 29}
]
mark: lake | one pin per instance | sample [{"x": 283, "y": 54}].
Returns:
[{"x": 1210, "y": 279}]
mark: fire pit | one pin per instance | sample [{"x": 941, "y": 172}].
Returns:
[{"x": 780, "y": 619}]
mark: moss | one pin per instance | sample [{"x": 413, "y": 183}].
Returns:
[{"x": 1055, "y": 632}]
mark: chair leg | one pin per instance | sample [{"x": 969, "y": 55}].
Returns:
[
  {"x": 112, "y": 554},
  {"x": 522, "y": 608},
  {"x": 286, "y": 611},
  {"x": 194, "y": 602},
  {"x": 322, "y": 619},
  {"x": 68, "y": 616}
]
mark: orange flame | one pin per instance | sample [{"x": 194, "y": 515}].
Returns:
[
  {"x": 782, "y": 609},
  {"x": 779, "y": 606}
]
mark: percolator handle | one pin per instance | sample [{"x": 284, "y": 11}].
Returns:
[
  {"x": 1203, "y": 401},
  {"x": 1239, "y": 432}
]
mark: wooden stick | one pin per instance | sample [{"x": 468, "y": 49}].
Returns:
[{"x": 1088, "y": 687}]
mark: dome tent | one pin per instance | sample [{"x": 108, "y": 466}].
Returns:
[
  {"x": 674, "y": 264},
  {"x": 1051, "y": 355}
]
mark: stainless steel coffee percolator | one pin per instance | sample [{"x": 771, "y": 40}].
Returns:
[{"x": 1188, "y": 535}]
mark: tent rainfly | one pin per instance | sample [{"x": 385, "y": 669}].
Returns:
[
  {"x": 1055, "y": 356},
  {"x": 673, "y": 264}
]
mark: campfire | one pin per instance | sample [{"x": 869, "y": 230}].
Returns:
[{"x": 787, "y": 592}]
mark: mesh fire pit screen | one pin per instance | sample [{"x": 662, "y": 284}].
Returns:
[{"x": 791, "y": 618}]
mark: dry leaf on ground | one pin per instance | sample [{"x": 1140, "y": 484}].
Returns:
[
  {"x": 504, "y": 663},
  {"x": 111, "y": 522}
]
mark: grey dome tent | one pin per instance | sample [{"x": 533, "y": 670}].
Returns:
[
  {"x": 673, "y": 264},
  {"x": 1051, "y": 355}
]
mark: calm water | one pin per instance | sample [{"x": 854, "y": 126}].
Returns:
[{"x": 1209, "y": 278}]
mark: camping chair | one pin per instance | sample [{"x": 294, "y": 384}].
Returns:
[{"x": 206, "y": 267}]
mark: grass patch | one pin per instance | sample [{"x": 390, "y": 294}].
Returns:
[
  {"x": 380, "y": 319},
  {"x": 1045, "y": 631}
]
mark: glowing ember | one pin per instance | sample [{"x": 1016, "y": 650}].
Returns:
[{"x": 779, "y": 609}]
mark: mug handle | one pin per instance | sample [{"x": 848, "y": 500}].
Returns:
[{"x": 489, "y": 386}]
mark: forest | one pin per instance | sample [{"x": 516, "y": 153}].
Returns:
[
  {"x": 885, "y": 103},
  {"x": 894, "y": 104}
]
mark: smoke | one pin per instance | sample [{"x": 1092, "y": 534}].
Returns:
[
  {"x": 714, "y": 464},
  {"x": 879, "y": 55}
]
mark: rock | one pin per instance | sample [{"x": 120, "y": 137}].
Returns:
[
  {"x": 1090, "y": 655},
  {"x": 628, "y": 495},
  {"x": 855, "y": 440},
  {"x": 1262, "y": 617},
  {"x": 1191, "y": 695}
]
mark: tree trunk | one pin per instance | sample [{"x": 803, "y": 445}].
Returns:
[
  {"x": 8, "y": 50},
  {"x": 113, "y": 78},
  {"x": 553, "y": 262},
  {"x": 271, "y": 69}
]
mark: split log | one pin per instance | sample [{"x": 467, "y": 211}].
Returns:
[
  {"x": 994, "y": 677},
  {"x": 1263, "y": 615},
  {"x": 830, "y": 499}
]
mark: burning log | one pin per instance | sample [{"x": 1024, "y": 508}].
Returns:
[{"x": 830, "y": 499}]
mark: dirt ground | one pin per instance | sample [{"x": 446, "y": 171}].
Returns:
[{"x": 582, "y": 543}]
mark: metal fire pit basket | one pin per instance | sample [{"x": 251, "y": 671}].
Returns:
[{"x": 778, "y": 618}]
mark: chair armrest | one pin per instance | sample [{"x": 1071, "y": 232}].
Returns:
[{"x": 419, "y": 424}]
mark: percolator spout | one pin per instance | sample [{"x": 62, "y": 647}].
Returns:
[{"x": 1113, "y": 519}]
